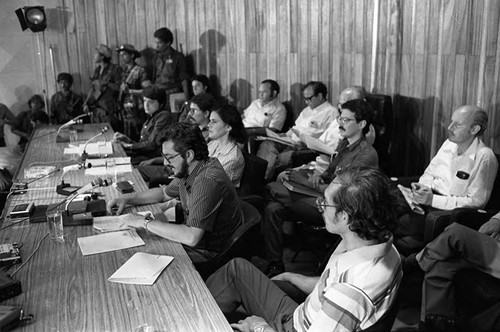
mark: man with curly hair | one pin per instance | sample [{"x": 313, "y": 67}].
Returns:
[{"x": 359, "y": 283}]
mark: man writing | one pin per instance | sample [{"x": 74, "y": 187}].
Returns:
[
  {"x": 359, "y": 283},
  {"x": 211, "y": 206}
]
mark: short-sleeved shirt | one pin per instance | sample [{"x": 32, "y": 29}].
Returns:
[
  {"x": 359, "y": 153},
  {"x": 472, "y": 186},
  {"x": 210, "y": 202},
  {"x": 231, "y": 159},
  {"x": 314, "y": 121},
  {"x": 270, "y": 115},
  {"x": 169, "y": 69},
  {"x": 356, "y": 288}
]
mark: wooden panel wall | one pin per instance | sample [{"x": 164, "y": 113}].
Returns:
[{"x": 431, "y": 55}]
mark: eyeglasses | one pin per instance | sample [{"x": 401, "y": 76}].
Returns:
[
  {"x": 169, "y": 158},
  {"x": 306, "y": 99},
  {"x": 344, "y": 120},
  {"x": 321, "y": 204}
]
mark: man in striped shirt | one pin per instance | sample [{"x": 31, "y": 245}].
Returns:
[
  {"x": 211, "y": 206},
  {"x": 358, "y": 285}
]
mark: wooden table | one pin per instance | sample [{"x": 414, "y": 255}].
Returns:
[{"x": 66, "y": 291}]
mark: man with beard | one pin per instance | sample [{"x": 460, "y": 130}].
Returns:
[
  {"x": 65, "y": 104},
  {"x": 353, "y": 150},
  {"x": 211, "y": 206}
]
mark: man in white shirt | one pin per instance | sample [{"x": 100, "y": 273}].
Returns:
[
  {"x": 266, "y": 111},
  {"x": 312, "y": 121},
  {"x": 460, "y": 175}
]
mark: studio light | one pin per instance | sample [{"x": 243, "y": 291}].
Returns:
[{"x": 33, "y": 18}]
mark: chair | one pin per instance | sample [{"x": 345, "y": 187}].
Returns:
[
  {"x": 252, "y": 183},
  {"x": 239, "y": 244},
  {"x": 175, "y": 101}
]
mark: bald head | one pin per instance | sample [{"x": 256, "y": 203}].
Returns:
[
  {"x": 352, "y": 93},
  {"x": 475, "y": 116}
]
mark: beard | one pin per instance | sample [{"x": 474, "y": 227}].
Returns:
[{"x": 184, "y": 171}]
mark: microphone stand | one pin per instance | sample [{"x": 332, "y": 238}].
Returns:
[
  {"x": 64, "y": 139},
  {"x": 85, "y": 155}
]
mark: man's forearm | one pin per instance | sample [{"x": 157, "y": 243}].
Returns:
[
  {"x": 304, "y": 283},
  {"x": 189, "y": 236},
  {"x": 150, "y": 196}
]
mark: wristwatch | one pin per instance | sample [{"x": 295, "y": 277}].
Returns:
[
  {"x": 147, "y": 219},
  {"x": 260, "y": 328}
]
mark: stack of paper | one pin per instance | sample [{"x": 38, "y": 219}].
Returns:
[
  {"x": 109, "y": 242},
  {"x": 141, "y": 269},
  {"x": 408, "y": 195}
]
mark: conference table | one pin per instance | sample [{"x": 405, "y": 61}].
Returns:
[{"x": 66, "y": 291}]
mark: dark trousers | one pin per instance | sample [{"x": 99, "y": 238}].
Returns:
[{"x": 241, "y": 283}]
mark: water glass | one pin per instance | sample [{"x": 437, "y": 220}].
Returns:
[
  {"x": 55, "y": 222},
  {"x": 111, "y": 169}
]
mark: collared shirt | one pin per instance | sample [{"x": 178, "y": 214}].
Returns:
[
  {"x": 169, "y": 69},
  {"x": 231, "y": 159},
  {"x": 476, "y": 169},
  {"x": 331, "y": 136},
  {"x": 210, "y": 203},
  {"x": 313, "y": 122},
  {"x": 359, "y": 153},
  {"x": 270, "y": 115},
  {"x": 150, "y": 131},
  {"x": 65, "y": 107},
  {"x": 355, "y": 290}
]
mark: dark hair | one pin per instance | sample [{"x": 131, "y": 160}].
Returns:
[
  {"x": 165, "y": 35},
  {"x": 40, "y": 116},
  {"x": 362, "y": 111},
  {"x": 65, "y": 77},
  {"x": 318, "y": 87},
  {"x": 203, "y": 79},
  {"x": 230, "y": 116},
  {"x": 153, "y": 92},
  {"x": 273, "y": 84},
  {"x": 185, "y": 136},
  {"x": 204, "y": 101},
  {"x": 367, "y": 197},
  {"x": 36, "y": 98}
]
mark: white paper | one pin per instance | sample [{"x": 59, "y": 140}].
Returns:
[
  {"x": 92, "y": 149},
  {"x": 104, "y": 171},
  {"x": 115, "y": 223},
  {"x": 102, "y": 161},
  {"x": 316, "y": 145},
  {"x": 97, "y": 244},
  {"x": 141, "y": 269}
]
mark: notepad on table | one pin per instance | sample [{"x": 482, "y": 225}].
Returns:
[
  {"x": 141, "y": 269},
  {"x": 106, "y": 242}
]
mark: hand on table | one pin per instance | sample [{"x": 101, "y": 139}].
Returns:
[
  {"x": 250, "y": 323},
  {"x": 120, "y": 204}
]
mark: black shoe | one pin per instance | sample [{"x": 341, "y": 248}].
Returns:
[{"x": 275, "y": 268}]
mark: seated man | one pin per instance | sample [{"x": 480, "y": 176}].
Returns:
[
  {"x": 266, "y": 111},
  {"x": 6, "y": 117},
  {"x": 28, "y": 120},
  {"x": 212, "y": 208},
  {"x": 460, "y": 175},
  {"x": 158, "y": 119},
  {"x": 457, "y": 248},
  {"x": 312, "y": 121},
  {"x": 359, "y": 283},
  {"x": 352, "y": 151},
  {"x": 65, "y": 104}
]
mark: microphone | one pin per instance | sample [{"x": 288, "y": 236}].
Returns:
[
  {"x": 65, "y": 138},
  {"x": 94, "y": 184},
  {"x": 85, "y": 155},
  {"x": 76, "y": 167},
  {"x": 65, "y": 188}
]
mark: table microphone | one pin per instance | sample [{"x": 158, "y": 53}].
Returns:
[
  {"x": 65, "y": 188},
  {"x": 85, "y": 155},
  {"x": 78, "y": 119}
]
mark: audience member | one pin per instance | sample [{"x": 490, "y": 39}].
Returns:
[
  {"x": 313, "y": 121},
  {"x": 158, "y": 119},
  {"x": 225, "y": 131},
  {"x": 460, "y": 175},
  {"x": 134, "y": 80},
  {"x": 6, "y": 117},
  {"x": 212, "y": 210},
  {"x": 169, "y": 72},
  {"x": 201, "y": 87},
  {"x": 266, "y": 111},
  {"x": 456, "y": 249},
  {"x": 65, "y": 104},
  {"x": 105, "y": 88},
  {"x": 359, "y": 283},
  {"x": 352, "y": 151},
  {"x": 28, "y": 120}
]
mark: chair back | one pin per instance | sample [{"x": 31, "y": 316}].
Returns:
[
  {"x": 494, "y": 202},
  {"x": 383, "y": 123},
  {"x": 240, "y": 243},
  {"x": 252, "y": 180}
]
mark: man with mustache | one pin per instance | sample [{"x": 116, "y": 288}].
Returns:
[
  {"x": 460, "y": 175},
  {"x": 353, "y": 150},
  {"x": 211, "y": 206}
]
